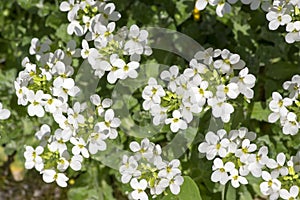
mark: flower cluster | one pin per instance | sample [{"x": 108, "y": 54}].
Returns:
[
  {"x": 74, "y": 140},
  {"x": 281, "y": 177},
  {"x": 235, "y": 157},
  {"x": 287, "y": 109},
  {"x": 147, "y": 170},
  {"x": 118, "y": 53},
  {"x": 279, "y": 13},
  {"x": 48, "y": 87},
  {"x": 224, "y": 7},
  {"x": 285, "y": 13},
  {"x": 210, "y": 79}
]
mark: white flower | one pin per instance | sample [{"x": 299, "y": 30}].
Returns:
[
  {"x": 143, "y": 150},
  {"x": 38, "y": 48},
  {"x": 71, "y": 52},
  {"x": 101, "y": 105},
  {"x": 228, "y": 62},
  {"x": 159, "y": 186},
  {"x": 152, "y": 94},
  {"x": 293, "y": 86},
  {"x": 206, "y": 55},
  {"x": 108, "y": 13},
  {"x": 271, "y": 185},
  {"x": 44, "y": 132},
  {"x": 85, "y": 51},
  {"x": 98, "y": 64},
  {"x": 62, "y": 121},
  {"x": 220, "y": 108},
  {"x": 49, "y": 176},
  {"x": 96, "y": 142},
  {"x": 215, "y": 144},
  {"x": 223, "y": 8},
  {"x": 53, "y": 105},
  {"x": 236, "y": 179},
  {"x": 33, "y": 158},
  {"x": 277, "y": 18},
  {"x": 245, "y": 82},
  {"x": 79, "y": 147},
  {"x": 176, "y": 122},
  {"x": 170, "y": 170},
  {"x": 36, "y": 103},
  {"x": 292, "y": 194},
  {"x": 290, "y": 124},
  {"x": 220, "y": 173},
  {"x": 101, "y": 34},
  {"x": 129, "y": 169},
  {"x": 257, "y": 161},
  {"x": 21, "y": 92},
  {"x": 4, "y": 113},
  {"x": 231, "y": 90},
  {"x": 195, "y": 69},
  {"x": 138, "y": 39},
  {"x": 293, "y": 29},
  {"x": 65, "y": 92},
  {"x": 170, "y": 76},
  {"x": 175, "y": 184},
  {"x": 139, "y": 189},
  {"x": 126, "y": 70},
  {"x": 156, "y": 155},
  {"x": 183, "y": 85},
  {"x": 159, "y": 114},
  {"x": 74, "y": 116},
  {"x": 59, "y": 142},
  {"x": 75, "y": 27},
  {"x": 278, "y": 165},
  {"x": 278, "y": 106},
  {"x": 201, "y": 4},
  {"x": 200, "y": 94},
  {"x": 75, "y": 162},
  {"x": 245, "y": 150},
  {"x": 62, "y": 164},
  {"x": 71, "y": 7},
  {"x": 110, "y": 124},
  {"x": 187, "y": 110}
]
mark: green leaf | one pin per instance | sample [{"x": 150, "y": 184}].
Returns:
[
  {"x": 282, "y": 70},
  {"x": 26, "y": 4},
  {"x": 244, "y": 194},
  {"x": 55, "y": 19},
  {"x": 80, "y": 193},
  {"x": 189, "y": 190},
  {"x": 259, "y": 112},
  {"x": 230, "y": 192},
  {"x": 184, "y": 11}
]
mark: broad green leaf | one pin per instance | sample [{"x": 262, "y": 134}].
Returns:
[
  {"x": 230, "y": 192},
  {"x": 259, "y": 112},
  {"x": 244, "y": 193},
  {"x": 282, "y": 70},
  {"x": 81, "y": 193}
]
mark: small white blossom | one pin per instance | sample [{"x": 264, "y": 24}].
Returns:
[
  {"x": 221, "y": 171},
  {"x": 50, "y": 176},
  {"x": 139, "y": 189},
  {"x": 176, "y": 122}
]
